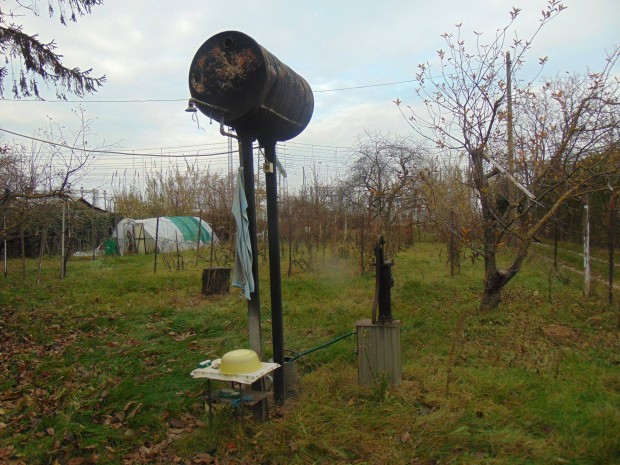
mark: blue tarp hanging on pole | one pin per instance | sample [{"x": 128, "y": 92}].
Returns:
[{"x": 242, "y": 274}]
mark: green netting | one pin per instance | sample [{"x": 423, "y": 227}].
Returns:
[{"x": 188, "y": 226}]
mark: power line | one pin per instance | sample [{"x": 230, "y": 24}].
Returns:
[
  {"x": 317, "y": 150},
  {"x": 97, "y": 101},
  {"x": 111, "y": 152},
  {"x": 181, "y": 146},
  {"x": 365, "y": 86},
  {"x": 338, "y": 89},
  {"x": 315, "y": 145}
]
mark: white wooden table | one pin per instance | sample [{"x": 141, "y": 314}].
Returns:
[{"x": 213, "y": 372}]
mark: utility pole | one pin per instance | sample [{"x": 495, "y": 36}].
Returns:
[
  {"x": 509, "y": 116},
  {"x": 509, "y": 120}
]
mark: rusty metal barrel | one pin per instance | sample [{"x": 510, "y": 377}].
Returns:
[{"x": 234, "y": 80}]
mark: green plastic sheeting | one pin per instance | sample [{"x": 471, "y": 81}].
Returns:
[{"x": 188, "y": 226}]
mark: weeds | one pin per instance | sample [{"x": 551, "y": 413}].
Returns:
[{"x": 95, "y": 369}]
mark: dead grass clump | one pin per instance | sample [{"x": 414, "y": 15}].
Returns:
[{"x": 560, "y": 333}]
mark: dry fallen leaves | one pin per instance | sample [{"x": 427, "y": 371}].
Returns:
[{"x": 204, "y": 459}]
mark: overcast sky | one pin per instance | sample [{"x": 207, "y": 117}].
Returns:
[{"x": 145, "y": 48}]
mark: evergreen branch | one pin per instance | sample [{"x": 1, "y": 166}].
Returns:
[{"x": 40, "y": 60}]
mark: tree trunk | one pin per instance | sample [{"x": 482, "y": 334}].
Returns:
[
  {"x": 494, "y": 278},
  {"x": 492, "y": 294},
  {"x": 23, "y": 249},
  {"x": 67, "y": 253},
  {"x": 41, "y": 253},
  {"x": 362, "y": 270}
]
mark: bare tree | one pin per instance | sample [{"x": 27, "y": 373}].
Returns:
[
  {"x": 55, "y": 161},
  {"x": 384, "y": 176},
  {"x": 566, "y": 134}
]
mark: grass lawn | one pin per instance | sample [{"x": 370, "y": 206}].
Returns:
[{"x": 95, "y": 368}]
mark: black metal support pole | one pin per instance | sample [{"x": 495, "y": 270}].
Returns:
[
  {"x": 247, "y": 163},
  {"x": 255, "y": 339},
  {"x": 271, "y": 184}
]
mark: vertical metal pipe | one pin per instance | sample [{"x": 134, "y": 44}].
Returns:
[
  {"x": 247, "y": 163},
  {"x": 271, "y": 185},
  {"x": 255, "y": 339}
]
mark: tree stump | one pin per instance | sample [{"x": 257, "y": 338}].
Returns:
[{"x": 215, "y": 280}]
